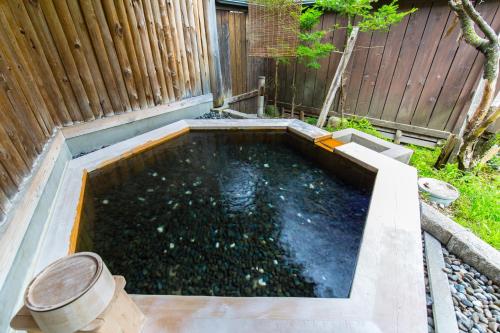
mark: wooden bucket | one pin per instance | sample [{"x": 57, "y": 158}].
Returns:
[{"x": 70, "y": 293}]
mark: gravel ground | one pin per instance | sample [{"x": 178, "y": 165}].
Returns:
[
  {"x": 475, "y": 297},
  {"x": 214, "y": 115}
]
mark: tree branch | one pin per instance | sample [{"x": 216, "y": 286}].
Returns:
[
  {"x": 467, "y": 25},
  {"x": 479, "y": 20}
]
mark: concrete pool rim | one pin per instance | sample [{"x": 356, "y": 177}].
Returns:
[
  {"x": 23, "y": 229},
  {"x": 388, "y": 289}
]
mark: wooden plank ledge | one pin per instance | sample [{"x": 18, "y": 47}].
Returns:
[{"x": 329, "y": 144}]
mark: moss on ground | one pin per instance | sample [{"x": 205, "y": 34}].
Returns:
[{"x": 478, "y": 207}]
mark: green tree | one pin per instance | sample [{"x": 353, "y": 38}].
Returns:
[
  {"x": 311, "y": 46},
  {"x": 369, "y": 17},
  {"x": 485, "y": 112}
]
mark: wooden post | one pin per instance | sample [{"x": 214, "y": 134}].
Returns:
[
  {"x": 213, "y": 52},
  {"x": 337, "y": 79},
  {"x": 397, "y": 137},
  {"x": 261, "y": 85}
]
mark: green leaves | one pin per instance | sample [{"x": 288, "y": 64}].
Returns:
[
  {"x": 371, "y": 18},
  {"x": 349, "y": 8},
  {"x": 310, "y": 55},
  {"x": 311, "y": 47},
  {"x": 310, "y": 18},
  {"x": 383, "y": 17}
]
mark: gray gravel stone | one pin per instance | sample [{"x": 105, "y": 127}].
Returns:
[{"x": 474, "y": 295}]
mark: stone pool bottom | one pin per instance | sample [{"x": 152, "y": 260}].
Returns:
[{"x": 213, "y": 215}]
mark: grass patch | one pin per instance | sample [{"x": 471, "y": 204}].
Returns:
[{"x": 478, "y": 207}]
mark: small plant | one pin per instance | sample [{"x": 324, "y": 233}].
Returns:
[{"x": 272, "y": 111}]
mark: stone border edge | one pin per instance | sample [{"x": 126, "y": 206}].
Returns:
[{"x": 460, "y": 241}]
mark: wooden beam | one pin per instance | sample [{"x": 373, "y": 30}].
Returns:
[
  {"x": 337, "y": 79},
  {"x": 213, "y": 52},
  {"x": 242, "y": 97},
  {"x": 407, "y": 129}
]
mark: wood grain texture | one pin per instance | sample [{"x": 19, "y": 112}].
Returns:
[
  {"x": 67, "y": 62},
  {"x": 416, "y": 73}
]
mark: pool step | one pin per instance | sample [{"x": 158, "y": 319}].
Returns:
[{"x": 329, "y": 144}]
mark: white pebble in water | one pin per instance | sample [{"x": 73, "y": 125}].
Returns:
[
  {"x": 245, "y": 236},
  {"x": 247, "y": 277},
  {"x": 261, "y": 270},
  {"x": 188, "y": 160},
  {"x": 299, "y": 214},
  {"x": 217, "y": 245},
  {"x": 188, "y": 192},
  {"x": 141, "y": 199},
  {"x": 275, "y": 261},
  {"x": 105, "y": 202},
  {"x": 154, "y": 174},
  {"x": 175, "y": 206},
  {"x": 261, "y": 282},
  {"x": 323, "y": 277},
  {"x": 172, "y": 245},
  {"x": 192, "y": 240},
  {"x": 150, "y": 190},
  {"x": 170, "y": 202},
  {"x": 308, "y": 220},
  {"x": 266, "y": 165},
  {"x": 163, "y": 179},
  {"x": 232, "y": 245},
  {"x": 311, "y": 186},
  {"x": 160, "y": 229},
  {"x": 282, "y": 197}
]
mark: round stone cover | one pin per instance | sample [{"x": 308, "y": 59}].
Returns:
[
  {"x": 63, "y": 281},
  {"x": 437, "y": 188}
]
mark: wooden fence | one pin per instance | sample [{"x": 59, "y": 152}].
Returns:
[
  {"x": 239, "y": 71},
  {"x": 64, "y": 62},
  {"x": 416, "y": 77}
]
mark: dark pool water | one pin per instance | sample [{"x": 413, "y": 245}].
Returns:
[{"x": 214, "y": 214}]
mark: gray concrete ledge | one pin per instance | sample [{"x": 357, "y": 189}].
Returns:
[
  {"x": 87, "y": 137},
  {"x": 461, "y": 242},
  {"x": 386, "y": 148},
  {"x": 390, "y": 256},
  {"x": 442, "y": 307},
  {"x": 24, "y": 230},
  {"x": 238, "y": 114}
]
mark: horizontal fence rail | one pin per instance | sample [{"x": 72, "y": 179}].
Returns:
[{"x": 65, "y": 62}]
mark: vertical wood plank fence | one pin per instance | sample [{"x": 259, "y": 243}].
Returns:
[
  {"x": 416, "y": 76},
  {"x": 65, "y": 62},
  {"x": 239, "y": 71}
]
